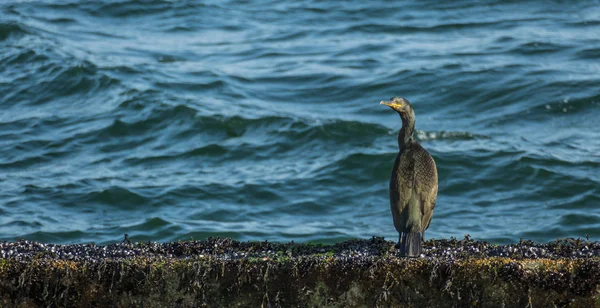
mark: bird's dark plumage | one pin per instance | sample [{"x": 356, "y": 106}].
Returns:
[{"x": 413, "y": 184}]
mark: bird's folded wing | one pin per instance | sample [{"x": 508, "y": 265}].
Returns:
[
  {"x": 426, "y": 180},
  {"x": 406, "y": 178}
]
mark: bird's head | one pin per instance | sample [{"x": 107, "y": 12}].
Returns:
[{"x": 400, "y": 105}]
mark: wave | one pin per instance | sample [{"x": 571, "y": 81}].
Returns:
[
  {"x": 129, "y": 8},
  {"x": 533, "y": 48},
  {"x": 54, "y": 81},
  {"x": 211, "y": 150},
  {"x": 119, "y": 197},
  {"x": 82, "y": 78},
  {"x": 12, "y": 30},
  {"x": 22, "y": 57},
  {"x": 588, "y": 53}
]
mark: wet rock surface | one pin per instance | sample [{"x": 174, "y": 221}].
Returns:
[
  {"x": 220, "y": 272},
  {"x": 227, "y": 249}
]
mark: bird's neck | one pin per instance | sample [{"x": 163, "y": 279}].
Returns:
[{"x": 405, "y": 135}]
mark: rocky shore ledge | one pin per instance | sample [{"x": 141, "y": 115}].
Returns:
[{"x": 222, "y": 272}]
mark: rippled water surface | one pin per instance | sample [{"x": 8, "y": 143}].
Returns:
[{"x": 259, "y": 120}]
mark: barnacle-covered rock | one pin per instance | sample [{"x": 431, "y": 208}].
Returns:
[{"x": 220, "y": 272}]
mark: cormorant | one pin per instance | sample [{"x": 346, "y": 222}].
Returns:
[{"x": 413, "y": 185}]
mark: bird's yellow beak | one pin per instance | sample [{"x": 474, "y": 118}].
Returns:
[{"x": 390, "y": 104}]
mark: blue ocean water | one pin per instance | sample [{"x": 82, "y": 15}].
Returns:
[{"x": 259, "y": 120}]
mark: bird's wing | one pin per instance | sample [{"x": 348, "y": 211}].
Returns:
[
  {"x": 406, "y": 170},
  {"x": 426, "y": 183}
]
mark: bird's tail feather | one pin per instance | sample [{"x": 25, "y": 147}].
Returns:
[{"x": 410, "y": 244}]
